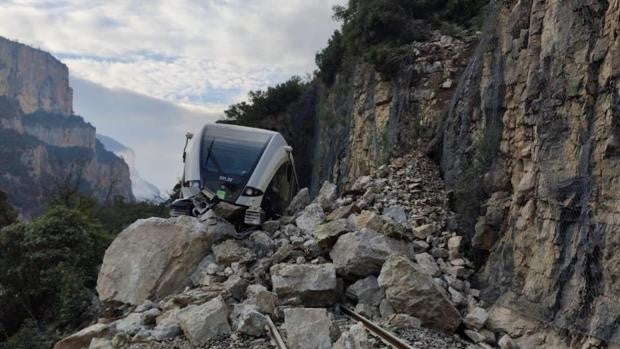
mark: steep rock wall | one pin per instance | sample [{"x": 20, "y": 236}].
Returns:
[
  {"x": 363, "y": 119},
  {"x": 42, "y": 144},
  {"x": 536, "y": 119},
  {"x": 34, "y": 78}
]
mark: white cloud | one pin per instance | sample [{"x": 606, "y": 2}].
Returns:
[{"x": 183, "y": 50}]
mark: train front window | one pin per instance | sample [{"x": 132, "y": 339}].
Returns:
[{"x": 228, "y": 158}]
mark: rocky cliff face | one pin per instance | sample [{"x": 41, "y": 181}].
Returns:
[
  {"x": 34, "y": 78},
  {"x": 536, "y": 117},
  {"x": 528, "y": 140},
  {"x": 363, "y": 119},
  {"x": 42, "y": 144}
]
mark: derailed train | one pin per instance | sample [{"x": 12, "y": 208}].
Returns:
[{"x": 248, "y": 167}]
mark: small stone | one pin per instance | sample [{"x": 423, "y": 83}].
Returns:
[
  {"x": 403, "y": 321},
  {"x": 251, "y": 322},
  {"x": 366, "y": 290},
  {"x": 271, "y": 226},
  {"x": 312, "y": 216},
  {"x": 100, "y": 343},
  {"x": 475, "y": 336},
  {"x": 355, "y": 338},
  {"x": 507, "y": 343},
  {"x": 423, "y": 231},
  {"x": 385, "y": 308},
  {"x": 236, "y": 285},
  {"x": 419, "y": 246},
  {"x": 397, "y": 213},
  {"x": 489, "y": 336},
  {"x": 299, "y": 201},
  {"x": 367, "y": 219},
  {"x": 342, "y": 212},
  {"x": 326, "y": 234},
  {"x": 130, "y": 324},
  {"x": 202, "y": 322},
  {"x": 264, "y": 300},
  {"x": 82, "y": 338},
  {"x": 447, "y": 84},
  {"x": 230, "y": 251},
  {"x": 367, "y": 310},
  {"x": 459, "y": 271},
  {"x": 327, "y": 195},
  {"x": 314, "y": 284},
  {"x": 427, "y": 264},
  {"x": 263, "y": 243},
  {"x": 307, "y": 328},
  {"x": 149, "y": 316},
  {"x": 476, "y": 318},
  {"x": 454, "y": 247}
]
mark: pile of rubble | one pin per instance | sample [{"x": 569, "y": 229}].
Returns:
[{"x": 381, "y": 249}]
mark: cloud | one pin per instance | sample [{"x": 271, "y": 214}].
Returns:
[
  {"x": 155, "y": 129},
  {"x": 185, "y": 51}
]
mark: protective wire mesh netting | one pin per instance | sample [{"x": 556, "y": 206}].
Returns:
[{"x": 571, "y": 280}]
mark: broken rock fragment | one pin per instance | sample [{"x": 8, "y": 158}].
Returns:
[
  {"x": 411, "y": 291},
  {"x": 307, "y": 328},
  {"x": 231, "y": 251},
  {"x": 202, "y": 322},
  {"x": 366, "y": 290},
  {"x": 362, "y": 253},
  {"x": 154, "y": 257},
  {"x": 327, "y": 233},
  {"x": 315, "y": 285}
]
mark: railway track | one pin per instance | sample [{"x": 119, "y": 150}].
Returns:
[{"x": 387, "y": 337}]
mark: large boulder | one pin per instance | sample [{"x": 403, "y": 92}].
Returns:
[
  {"x": 154, "y": 257},
  {"x": 327, "y": 195},
  {"x": 307, "y": 328},
  {"x": 366, "y": 291},
  {"x": 82, "y": 338},
  {"x": 301, "y": 200},
  {"x": 311, "y": 217},
  {"x": 412, "y": 291},
  {"x": 362, "y": 253},
  {"x": 315, "y": 285},
  {"x": 202, "y": 322},
  {"x": 327, "y": 233}
]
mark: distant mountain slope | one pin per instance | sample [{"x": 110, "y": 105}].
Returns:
[
  {"x": 43, "y": 145},
  {"x": 142, "y": 189}
]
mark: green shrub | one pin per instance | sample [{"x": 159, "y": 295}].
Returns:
[
  {"x": 8, "y": 215},
  {"x": 330, "y": 58},
  {"x": 378, "y": 30},
  {"x": 48, "y": 268},
  {"x": 262, "y": 104}
]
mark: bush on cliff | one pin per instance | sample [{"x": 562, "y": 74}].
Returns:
[
  {"x": 265, "y": 103},
  {"x": 379, "y": 30}
]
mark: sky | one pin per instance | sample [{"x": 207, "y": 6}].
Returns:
[{"x": 145, "y": 72}]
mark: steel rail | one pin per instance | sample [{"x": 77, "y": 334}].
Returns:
[
  {"x": 376, "y": 330},
  {"x": 273, "y": 332}
]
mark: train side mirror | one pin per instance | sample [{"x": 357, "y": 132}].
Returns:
[
  {"x": 188, "y": 136},
  {"x": 288, "y": 148}
]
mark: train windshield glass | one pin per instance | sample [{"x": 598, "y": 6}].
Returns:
[{"x": 228, "y": 158}]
